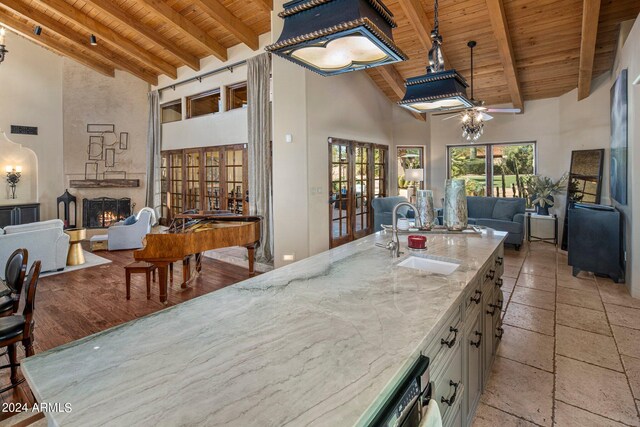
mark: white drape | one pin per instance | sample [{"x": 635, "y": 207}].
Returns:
[
  {"x": 260, "y": 160},
  {"x": 154, "y": 141}
]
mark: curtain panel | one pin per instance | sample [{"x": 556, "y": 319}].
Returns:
[
  {"x": 154, "y": 141},
  {"x": 259, "y": 151}
]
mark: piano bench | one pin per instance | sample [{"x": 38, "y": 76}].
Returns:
[{"x": 140, "y": 268}]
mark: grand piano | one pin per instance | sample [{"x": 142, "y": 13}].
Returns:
[{"x": 191, "y": 234}]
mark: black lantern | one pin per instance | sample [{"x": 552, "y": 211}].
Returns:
[
  {"x": 337, "y": 36},
  {"x": 439, "y": 89},
  {"x": 66, "y": 199}
]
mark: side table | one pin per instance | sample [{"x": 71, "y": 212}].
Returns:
[
  {"x": 76, "y": 236},
  {"x": 535, "y": 217}
]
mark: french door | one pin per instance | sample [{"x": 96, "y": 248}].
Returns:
[{"x": 357, "y": 173}]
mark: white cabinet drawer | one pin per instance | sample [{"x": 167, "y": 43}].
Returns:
[{"x": 449, "y": 388}]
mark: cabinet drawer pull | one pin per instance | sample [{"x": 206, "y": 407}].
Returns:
[
  {"x": 491, "y": 274},
  {"x": 477, "y": 298},
  {"x": 499, "y": 283},
  {"x": 451, "y": 400},
  {"x": 500, "y": 333},
  {"x": 499, "y": 260},
  {"x": 450, "y": 342},
  {"x": 492, "y": 312},
  {"x": 476, "y": 344}
]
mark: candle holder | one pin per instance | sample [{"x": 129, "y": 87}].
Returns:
[{"x": 13, "y": 178}]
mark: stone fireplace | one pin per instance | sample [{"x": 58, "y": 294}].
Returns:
[{"x": 103, "y": 212}]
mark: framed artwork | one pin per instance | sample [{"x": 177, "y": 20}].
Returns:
[{"x": 619, "y": 139}]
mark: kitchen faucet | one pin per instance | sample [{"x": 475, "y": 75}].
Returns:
[{"x": 394, "y": 245}]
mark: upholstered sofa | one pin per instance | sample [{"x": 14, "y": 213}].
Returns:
[
  {"x": 383, "y": 210},
  {"x": 45, "y": 241},
  {"x": 499, "y": 213}
]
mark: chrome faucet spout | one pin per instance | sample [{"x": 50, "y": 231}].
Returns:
[{"x": 395, "y": 246}]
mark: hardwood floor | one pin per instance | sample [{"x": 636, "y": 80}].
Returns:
[{"x": 74, "y": 305}]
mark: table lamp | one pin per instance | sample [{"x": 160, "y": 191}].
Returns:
[{"x": 412, "y": 176}]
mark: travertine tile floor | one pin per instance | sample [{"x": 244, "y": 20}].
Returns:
[{"x": 570, "y": 355}]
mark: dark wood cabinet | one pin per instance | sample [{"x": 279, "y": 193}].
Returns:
[{"x": 19, "y": 214}]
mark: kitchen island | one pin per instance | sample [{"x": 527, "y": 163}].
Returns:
[{"x": 319, "y": 342}]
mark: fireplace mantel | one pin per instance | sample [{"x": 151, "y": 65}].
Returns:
[{"x": 104, "y": 183}]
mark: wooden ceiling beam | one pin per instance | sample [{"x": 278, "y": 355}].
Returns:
[
  {"x": 29, "y": 12},
  {"x": 110, "y": 8},
  {"x": 230, "y": 22},
  {"x": 418, "y": 18},
  {"x": 266, "y": 5},
  {"x": 188, "y": 28},
  {"x": 590, "y": 17},
  {"x": 106, "y": 34},
  {"x": 392, "y": 77},
  {"x": 54, "y": 44},
  {"x": 505, "y": 49}
]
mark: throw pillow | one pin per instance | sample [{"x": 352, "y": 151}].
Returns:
[
  {"x": 505, "y": 210},
  {"x": 130, "y": 220}
]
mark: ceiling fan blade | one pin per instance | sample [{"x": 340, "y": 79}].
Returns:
[
  {"x": 485, "y": 117},
  {"x": 452, "y": 117},
  {"x": 445, "y": 113},
  {"x": 503, "y": 110}
]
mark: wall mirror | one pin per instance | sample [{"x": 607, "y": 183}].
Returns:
[{"x": 585, "y": 182}]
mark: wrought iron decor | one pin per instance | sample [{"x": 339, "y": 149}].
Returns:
[
  {"x": 96, "y": 146},
  {"x": 105, "y": 144},
  {"x": 91, "y": 170}
]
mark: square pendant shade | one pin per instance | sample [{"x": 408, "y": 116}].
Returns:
[
  {"x": 440, "y": 91},
  {"x": 337, "y": 36}
]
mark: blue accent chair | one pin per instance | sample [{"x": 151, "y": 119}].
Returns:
[{"x": 383, "y": 210}]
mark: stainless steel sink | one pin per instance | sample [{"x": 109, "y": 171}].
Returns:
[{"x": 430, "y": 265}]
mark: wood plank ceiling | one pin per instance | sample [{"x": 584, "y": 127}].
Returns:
[
  {"x": 143, "y": 37},
  {"x": 526, "y": 49}
]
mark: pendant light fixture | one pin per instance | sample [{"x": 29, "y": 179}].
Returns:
[
  {"x": 3, "y": 50},
  {"x": 439, "y": 89},
  {"x": 337, "y": 36},
  {"x": 472, "y": 120}
]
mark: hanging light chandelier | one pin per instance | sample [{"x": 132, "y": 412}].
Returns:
[
  {"x": 472, "y": 125},
  {"x": 472, "y": 119},
  {"x": 337, "y": 36},
  {"x": 439, "y": 89}
]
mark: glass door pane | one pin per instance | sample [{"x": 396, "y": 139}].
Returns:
[
  {"x": 192, "y": 180},
  {"x": 379, "y": 172},
  {"x": 233, "y": 162},
  {"x": 164, "y": 185},
  {"x": 340, "y": 207},
  {"x": 175, "y": 191},
  {"x": 469, "y": 163},
  {"x": 362, "y": 161},
  {"x": 212, "y": 180},
  {"x": 512, "y": 165}
]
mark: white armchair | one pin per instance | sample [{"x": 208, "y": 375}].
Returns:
[{"x": 129, "y": 236}]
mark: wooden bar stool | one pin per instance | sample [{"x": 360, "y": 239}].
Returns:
[{"x": 145, "y": 268}]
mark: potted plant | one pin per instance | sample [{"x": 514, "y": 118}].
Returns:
[{"x": 541, "y": 190}]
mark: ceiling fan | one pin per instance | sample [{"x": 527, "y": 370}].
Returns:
[{"x": 473, "y": 118}]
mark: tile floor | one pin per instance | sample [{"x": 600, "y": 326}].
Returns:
[{"x": 570, "y": 355}]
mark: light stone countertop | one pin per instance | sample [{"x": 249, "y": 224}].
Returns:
[{"x": 317, "y": 342}]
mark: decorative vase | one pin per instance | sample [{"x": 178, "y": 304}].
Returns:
[
  {"x": 426, "y": 210},
  {"x": 544, "y": 210},
  {"x": 455, "y": 205}
]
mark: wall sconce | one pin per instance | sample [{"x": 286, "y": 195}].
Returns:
[
  {"x": 3, "y": 51},
  {"x": 13, "y": 177}
]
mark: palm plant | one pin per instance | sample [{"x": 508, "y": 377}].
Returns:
[{"x": 542, "y": 189}]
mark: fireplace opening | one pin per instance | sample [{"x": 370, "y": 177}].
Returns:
[{"x": 103, "y": 212}]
